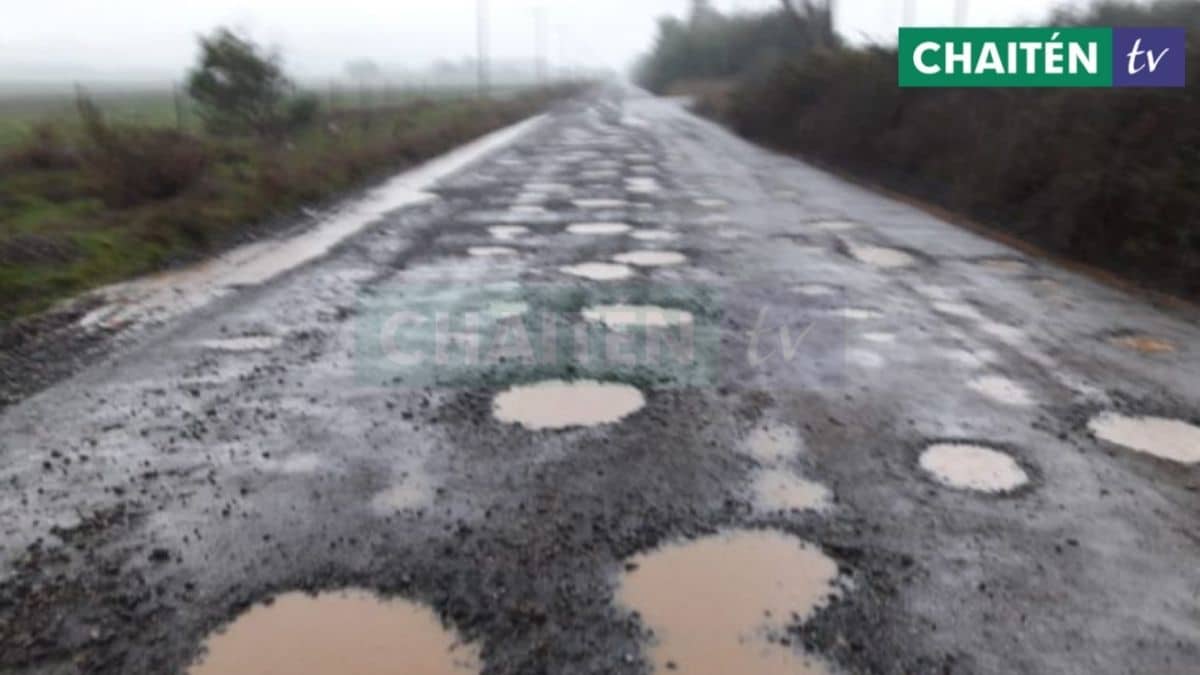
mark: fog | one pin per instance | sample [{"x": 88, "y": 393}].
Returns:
[{"x": 153, "y": 40}]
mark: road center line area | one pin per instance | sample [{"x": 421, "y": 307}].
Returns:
[{"x": 618, "y": 393}]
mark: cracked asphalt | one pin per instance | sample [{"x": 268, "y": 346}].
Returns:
[{"x": 254, "y": 446}]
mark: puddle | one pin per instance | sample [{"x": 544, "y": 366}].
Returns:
[
  {"x": 858, "y": 313},
  {"x": 249, "y": 343},
  {"x": 598, "y": 271},
  {"x": 600, "y": 203},
  {"x": 881, "y": 256},
  {"x": 490, "y": 251},
  {"x": 599, "y": 228},
  {"x": 1001, "y": 390},
  {"x": 715, "y": 603},
  {"x": 547, "y": 187},
  {"x": 973, "y": 467},
  {"x": 879, "y": 338},
  {"x": 774, "y": 442},
  {"x": 864, "y": 359},
  {"x": 815, "y": 290},
  {"x": 958, "y": 309},
  {"x": 1170, "y": 439},
  {"x": 1144, "y": 344},
  {"x": 508, "y": 232},
  {"x": 712, "y": 203},
  {"x": 527, "y": 209},
  {"x": 645, "y": 316},
  {"x": 1006, "y": 333},
  {"x": 651, "y": 258},
  {"x": 781, "y": 490},
  {"x": 348, "y": 632},
  {"x": 507, "y": 310},
  {"x": 402, "y": 497},
  {"x": 654, "y": 235},
  {"x": 834, "y": 225},
  {"x": 967, "y": 358},
  {"x": 556, "y": 404}
]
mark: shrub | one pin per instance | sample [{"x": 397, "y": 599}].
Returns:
[{"x": 239, "y": 87}]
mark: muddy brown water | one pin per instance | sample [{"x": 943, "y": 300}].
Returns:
[
  {"x": 651, "y": 258},
  {"x": 1145, "y": 344},
  {"x": 1170, "y": 439},
  {"x": 782, "y": 490},
  {"x": 559, "y": 404},
  {"x": 714, "y": 603},
  {"x": 598, "y": 271},
  {"x": 973, "y": 467},
  {"x": 1001, "y": 390},
  {"x": 773, "y": 443},
  {"x": 350, "y": 632},
  {"x": 599, "y": 229},
  {"x": 633, "y": 316}
]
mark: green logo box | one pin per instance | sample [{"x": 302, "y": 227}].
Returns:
[{"x": 1005, "y": 57}]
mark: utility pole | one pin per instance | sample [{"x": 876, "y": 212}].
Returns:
[
  {"x": 481, "y": 47},
  {"x": 960, "y": 12}
]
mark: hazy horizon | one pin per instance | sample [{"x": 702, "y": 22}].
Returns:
[{"x": 143, "y": 41}]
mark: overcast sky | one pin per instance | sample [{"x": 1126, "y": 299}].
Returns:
[{"x": 124, "y": 38}]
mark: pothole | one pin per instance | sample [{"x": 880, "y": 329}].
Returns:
[
  {"x": 410, "y": 494},
  {"x": 1001, "y": 390},
  {"x": 490, "y": 251},
  {"x": 879, "y": 338},
  {"x": 1145, "y": 344},
  {"x": 301, "y": 464},
  {"x": 644, "y": 316},
  {"x": 712, "y": 203},
  {"x": 1005, "y": 333},
  {"x": 858, "y": 313},
  {"x": 598, "y": 271},
  {"x": 507, "y": 310},
  {"x": 781, "y": 490},
  {"x": 834, "y": 225},
  {"x": 547, "y": 187},
  {"x": 508, "y": 232},
  {"x": 598, "y": 228},
  {"x": 249, "y": 343},
  {"x": 654, "y": 235},
  {"x": 1162, "y": 437},
  {"x": 880, "y": 256},
  {"x": 558, "y": 404},
  {"x": 346, "y": 632},
  {"x": 958, "y": 309},
  {"x": 973, "y": 467},
  {"x": 651, "y": 258},
  {"x": 720, "y": 604},
  {"x": 815, "y": 290},
  {"x": 774, "y": 443},
  {"x": 863, "y": 358}
]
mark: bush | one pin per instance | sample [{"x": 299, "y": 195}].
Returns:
[
  {"x": 44, "y": 150},
  {"x": 239, "y": 87},
  {"x": 133, "y": 165}
]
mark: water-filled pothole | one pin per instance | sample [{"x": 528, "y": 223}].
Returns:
[
  {"x": 1163, "y": 437},
  {"x": 858, "y": 313},
  {"x": 718, "y": 605},
  {"x": 651, "y": 258},
  {"x": 490, "y": 251},
  {"x": 774, "y": 443},
  {"x": 654, "y": 235},
  {"x": 599, "y": 228},
  {"x": 781, "y": 490},
  {"x": 558, "y": 404},
  {"x": 973, "y": 467},
  {"x": 598, "y": 271},
  {"x": 834, "y": 225},
  {"x": 1145, "y": 344},
  {"x": 1001, "y": 390},
  {"x": 1005, "y": 264},
  {"x": 712, "y": 203},
  {"x": 880, "y": 256},
  {"x": 508, "y": 232},
  {"x": 600, "y": 203},
  {"x": 632, "y": 316},
  {"x": 347, "y": 632}
]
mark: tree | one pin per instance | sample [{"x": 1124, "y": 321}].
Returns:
[{"x": 239, "y": 86}]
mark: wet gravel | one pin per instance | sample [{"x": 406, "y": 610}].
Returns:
[{"x": 160, "y": 492}]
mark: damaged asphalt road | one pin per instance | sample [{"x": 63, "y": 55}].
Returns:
[{"x": 918, "y": 409}]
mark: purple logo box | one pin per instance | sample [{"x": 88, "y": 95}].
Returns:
[{"x": 1149, "y": 57}]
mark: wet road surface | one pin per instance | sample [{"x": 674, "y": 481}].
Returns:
[{"x": 869, "y": 442}]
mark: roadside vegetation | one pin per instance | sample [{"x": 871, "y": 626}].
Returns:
[
  {"x": 91, "y": 199},
  {"x": 1107, "y": 177}
]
